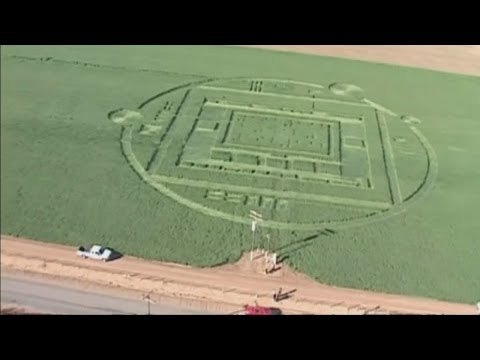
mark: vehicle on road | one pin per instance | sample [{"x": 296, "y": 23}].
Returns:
[
  {"x": 261, "y": 310},
  {"x": 97, "y": 252}
]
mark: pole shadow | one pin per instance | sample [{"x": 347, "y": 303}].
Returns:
[{"x": 287, "y": 250}]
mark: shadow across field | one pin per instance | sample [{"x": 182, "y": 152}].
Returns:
[{"x": 285, "y": 251}]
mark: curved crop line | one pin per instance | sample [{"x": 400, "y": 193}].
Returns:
[
  {"x": 379, "y": 107},
  {"x": 432, "y": 166},
  {"x": 126, "y": 144},
  {"x": 111, "y": 113},
  {"x": 142, "y": 105}
]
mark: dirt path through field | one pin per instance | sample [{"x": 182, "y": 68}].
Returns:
[
  {"x": 235, "y": 284},
  {"x": 462, "y": 59}
]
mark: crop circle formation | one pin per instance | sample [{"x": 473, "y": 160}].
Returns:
[{"x": 305, "y": 156}]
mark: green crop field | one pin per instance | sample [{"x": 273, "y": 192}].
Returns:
[{"x": 364, "y": 173}]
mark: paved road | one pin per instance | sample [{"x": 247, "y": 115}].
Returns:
[{"x": 51, "y": 297}]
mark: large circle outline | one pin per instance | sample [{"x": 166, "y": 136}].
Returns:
[{"x": 420, "y": 193}]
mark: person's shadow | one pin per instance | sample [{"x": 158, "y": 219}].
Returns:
[{"x": 286, "y": 295}]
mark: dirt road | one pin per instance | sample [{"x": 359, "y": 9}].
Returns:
[
  {"x": 462, "y": 59},
  {"x": 227, "y": 287}
]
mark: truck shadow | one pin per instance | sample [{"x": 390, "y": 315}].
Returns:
[{"x": 115, "y": 255}]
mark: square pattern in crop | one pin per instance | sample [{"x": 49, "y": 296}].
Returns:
[
  {"x": 279, "y": 134},
  {"x": 306, "y": 146}
]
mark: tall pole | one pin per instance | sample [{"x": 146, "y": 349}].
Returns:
[
  {"x": 148, "y": 300},
  {"x": 253, "y": 239},
  {"x": 255, "y": 217}
]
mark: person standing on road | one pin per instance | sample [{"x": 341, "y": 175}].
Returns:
[{"x": 276, "y": 295}]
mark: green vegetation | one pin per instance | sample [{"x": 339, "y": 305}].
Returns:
[{"x": 67, "y": 175}]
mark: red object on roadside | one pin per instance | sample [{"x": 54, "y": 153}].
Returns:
[{"x": 261, "y": 310}]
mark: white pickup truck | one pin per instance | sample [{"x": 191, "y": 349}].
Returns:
[{"x": 97, "y": 252}]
